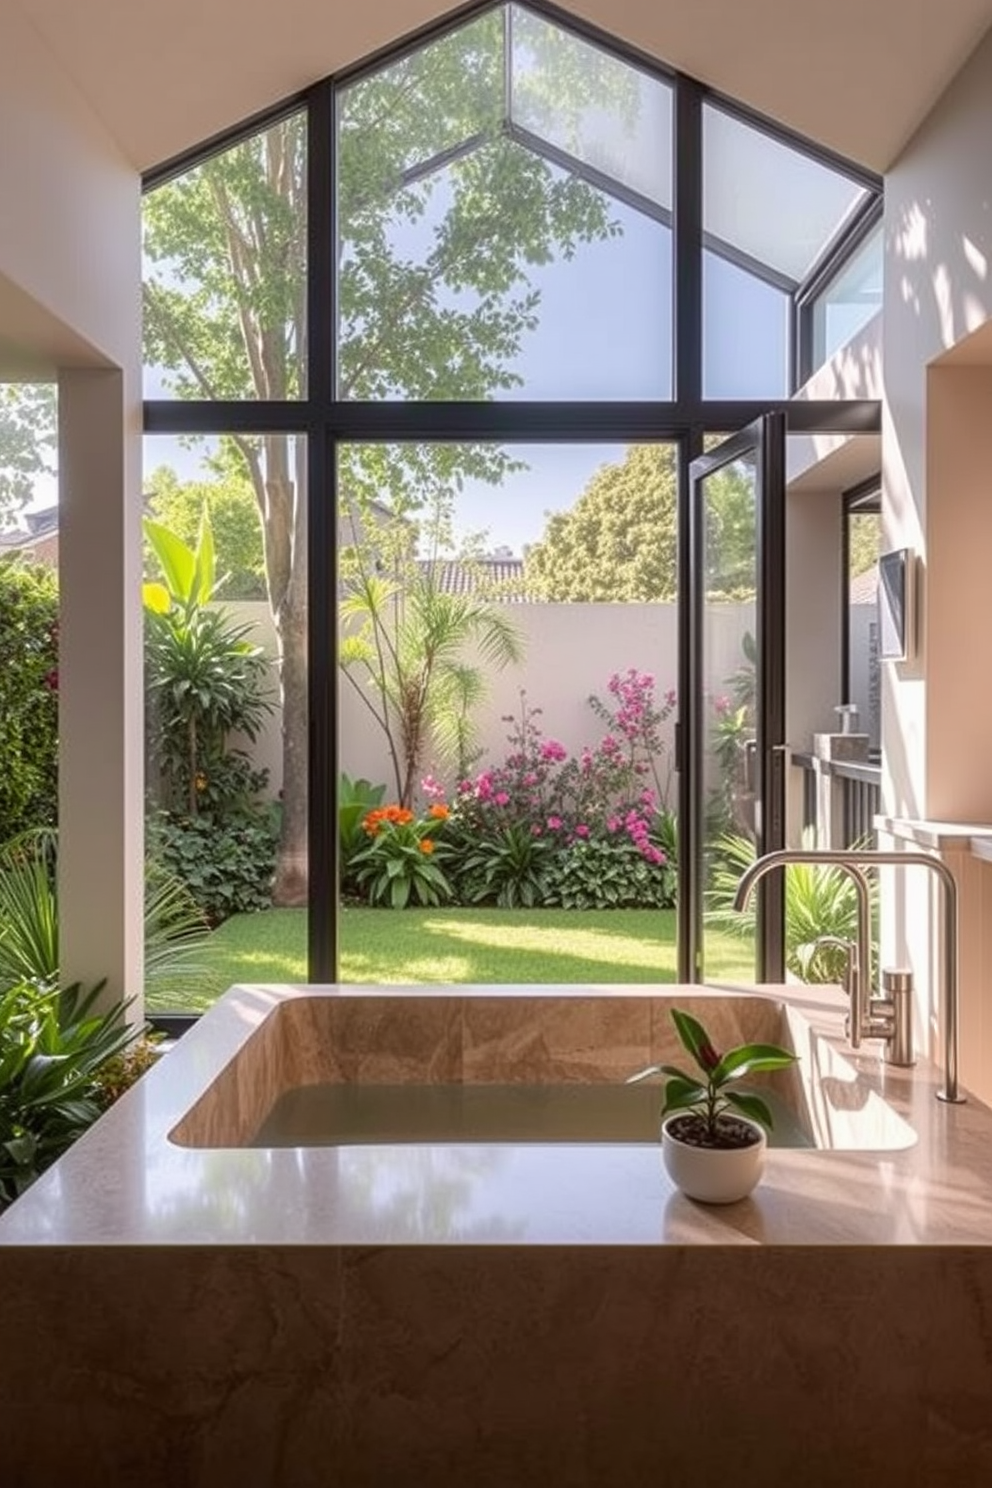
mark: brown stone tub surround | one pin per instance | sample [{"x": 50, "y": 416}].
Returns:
[{"x": 212, "y": 1316}]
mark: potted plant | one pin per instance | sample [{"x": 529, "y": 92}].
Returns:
[{"x": 713, "y": 1138}]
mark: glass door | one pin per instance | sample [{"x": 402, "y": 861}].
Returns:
[{"x": 733, "y": 728}]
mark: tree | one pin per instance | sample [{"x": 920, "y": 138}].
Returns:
[
  {"x": 619, "y": 541},
  {"x": 435, "y": 299},
  {"x": 27, "y": 440},
  {"x": 230, "y": 504},
  {"x": 405, "y": 658},
  {"x": 205, "y": 675},
  {"x": 865, "y": 542}
]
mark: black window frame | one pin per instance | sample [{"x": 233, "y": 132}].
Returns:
[
  {"x": 825, "y": 272},
  {"x": 325, "y": 421}
]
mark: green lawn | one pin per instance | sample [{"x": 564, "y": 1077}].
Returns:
[{"x": 459, "y": 945}]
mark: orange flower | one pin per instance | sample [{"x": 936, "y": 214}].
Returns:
[
  {"x": 426, "y": 845},
  {"x": 439, "y": 812}
]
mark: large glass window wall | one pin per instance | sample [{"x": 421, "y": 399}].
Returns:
[{"x": 511, "y": 234}]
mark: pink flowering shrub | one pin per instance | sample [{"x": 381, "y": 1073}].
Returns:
[{"x": 611, "y": 794}]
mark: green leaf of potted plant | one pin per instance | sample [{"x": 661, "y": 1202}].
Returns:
[{"x": 713, "y": 1139}]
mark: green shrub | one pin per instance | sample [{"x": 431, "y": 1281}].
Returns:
[
  {"x": 819, "y": 901},
  {"x": 609, "y": 874},
  {"x": 52, "y": 1045},
  {"x": 509, "y": 868},
  {"x": 227, "y": 863},
  {"x": 29, "y": 649},
  {"x": 665, "y": 835}
]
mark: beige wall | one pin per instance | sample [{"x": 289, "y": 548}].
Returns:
[
  {"x": 69, "y": 270},
  {"x": 937, "y": 443},
  {"x": 572, "y": 650},
  {"x": 70, "y": 307},
  {"x": 938, "y": 287},
  {"x": 958, "y": 777}
]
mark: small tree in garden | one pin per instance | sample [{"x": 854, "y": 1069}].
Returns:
[
  {"x": 29, "y": 715},
  {"x": 404, "y": 651},
  {"x": 206, "y": 678},
  {"x": 230, "y": 504}
]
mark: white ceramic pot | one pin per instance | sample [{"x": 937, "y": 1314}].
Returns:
[{"x": 713, "y": 1175}]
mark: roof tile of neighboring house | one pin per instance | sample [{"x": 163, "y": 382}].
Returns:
[
  {"x": 492, "y": 577},
  {"x": 41, "y": 539},
  {"x": 864, "y": 587}
]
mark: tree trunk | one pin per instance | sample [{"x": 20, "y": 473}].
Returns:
[
  {"x": 290, "y": 887},
  {"x": 287, "y": 555}
]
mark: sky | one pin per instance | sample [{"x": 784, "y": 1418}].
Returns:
[{"x": 604, "y": 333}]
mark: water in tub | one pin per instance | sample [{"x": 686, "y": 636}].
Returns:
[{"x": 336, "y": 1114}]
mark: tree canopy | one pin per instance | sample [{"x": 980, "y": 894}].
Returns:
[
  {"x": 619, "y": 541},
  {"x": 438, "y": 243},
  {"x": 27, "y": 441},
  {"x": 865, "y": 541}
]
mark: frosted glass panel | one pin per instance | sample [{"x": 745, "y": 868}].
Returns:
[
  {"x": 768, "y": 201},
  {"x": 602, "y": 111}
]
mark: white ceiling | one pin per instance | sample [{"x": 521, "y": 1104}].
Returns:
[{"x": 857, "y": 75}]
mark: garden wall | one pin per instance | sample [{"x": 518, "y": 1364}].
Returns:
[{"x": 571, "y": 650}]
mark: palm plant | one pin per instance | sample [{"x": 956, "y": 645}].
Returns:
[
  {"x": 175, "y": 932},
  {"x": 404, "y": 653},
  {"x": 820, "y": 906},
  {"x": 52, "y": 1047}
]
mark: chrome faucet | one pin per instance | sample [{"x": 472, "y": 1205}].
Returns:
[{"x": 871, "y": 1016}]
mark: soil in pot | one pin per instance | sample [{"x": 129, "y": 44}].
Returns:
[{"x": 731, "y": 1133}]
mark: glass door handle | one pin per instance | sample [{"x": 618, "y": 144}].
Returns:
[{"x": 750, "y": 757}]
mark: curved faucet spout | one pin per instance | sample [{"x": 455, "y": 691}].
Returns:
[
  {"x": 859, "y": 965},
  {"x": 856, "y": 863}
]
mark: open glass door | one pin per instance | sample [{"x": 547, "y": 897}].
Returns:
[{"x": 732, "y": 803}]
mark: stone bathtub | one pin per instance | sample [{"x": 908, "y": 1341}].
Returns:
[
  {"x": 205, "y": 1311},
  {"x": 421, "y": 1068}
]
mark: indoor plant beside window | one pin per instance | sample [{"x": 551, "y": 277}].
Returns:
[{"x": 713, "y": 1138}]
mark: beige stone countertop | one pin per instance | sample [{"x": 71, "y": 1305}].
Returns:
[
  {"x": 939, "y": 836},
  {"x": 125, "y": 1183}
]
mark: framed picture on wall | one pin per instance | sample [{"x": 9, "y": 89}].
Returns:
[{"x": 896, "y": 604}]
